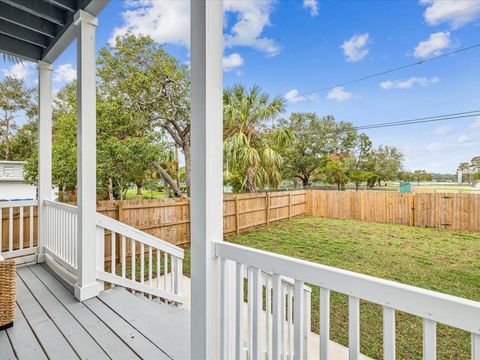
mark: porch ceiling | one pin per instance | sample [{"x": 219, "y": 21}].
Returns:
[{"x": 33, "y": 29}]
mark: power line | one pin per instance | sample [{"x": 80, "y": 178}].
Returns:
[
  {"x": 460, "y": 115},
  {"x": 421, "y": 62}
]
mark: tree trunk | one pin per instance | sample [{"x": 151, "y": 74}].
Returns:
[
  {"x": 169, "y": 180},
  {"x": 357, "y": 186},
  {"x": 186, "y": 151},
  {"x": 110, "y": 189},
  {"x": 139, "y": 189},
  {"x": 305, "y": 181}
]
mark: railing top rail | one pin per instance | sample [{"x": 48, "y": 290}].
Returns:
[
  {"x": 447, "y": 309},
  {"x": 131, "y": 232},
  {"x": 60, "y": 206},
  {"x": 14, "y": 204}
]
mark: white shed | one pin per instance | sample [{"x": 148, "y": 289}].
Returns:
[{"x": 12, "y": 182}]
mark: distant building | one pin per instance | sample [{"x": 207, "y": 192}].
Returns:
[
  {"x": 476, "y": 184},
  {"x": 12, "y": 182}
]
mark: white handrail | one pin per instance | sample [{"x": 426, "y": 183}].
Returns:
[
  {"x": 447, "y": 309},
  {"x": 61, "y": 206},
  {"x": 131, "y": 232},
  {"x": 15, "y": 204}
]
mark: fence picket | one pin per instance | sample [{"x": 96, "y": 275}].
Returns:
[
  {"x": 353, "y": 328},
  {"x": 429, "y": 339},
  {"x": 324, "y": 322},
  {"x": 388, "y": 333}
]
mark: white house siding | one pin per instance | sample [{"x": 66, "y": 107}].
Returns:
[{"x": 12, "y": 184}]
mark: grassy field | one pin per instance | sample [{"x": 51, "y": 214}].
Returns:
[{"x": 440, "y": 260}]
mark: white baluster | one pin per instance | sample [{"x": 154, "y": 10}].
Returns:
[
  {"x": 324, "y": 322},
  {"x": 10, "y": 229},
  {"x": 133, "y": 251},
  {"x": 268, "y": 310},
  {"x": 299, "y": 315},
  {"x": 150, "y": 261},
  {"x": 21, "y": 228},
  {"x": 475, "y": 347},
  {"x": 124, "y": 256},
  {"x": 158, "y": 268},
  {"x": 142, "y": 263},
  {"x": 388, "y": 333},
  {"x": 100, "y": 255},
  {"x": 31, "y": 227},
  {"x": 239, "y": 311},
  {"x": 113, "y": 253},
  {"x": 277, "y": 338},
  {"x": 353, "y": 328},
  {"x": 257, "y": 314},
  {"x": 165, "y": 270},
  {"x": 290, "y": 323},
  {"x": 429, "y": 339}
]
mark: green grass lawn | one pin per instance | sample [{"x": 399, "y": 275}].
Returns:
[{"x": 440, "y": 260}]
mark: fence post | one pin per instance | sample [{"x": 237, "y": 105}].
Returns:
[
  {"x": 412, "y": 209},
  {"x": 237, "y": 216},
  {"x": 289, "y": 205},
  {"x": 267, "y": 207}
]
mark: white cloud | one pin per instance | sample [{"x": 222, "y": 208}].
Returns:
[
  {"x": 454, "y": 12},
  {"x": 251, "y": 18},
  {"x": 294, "y": 96},
  {"x": 164, "y": 21},
  {"x": 20, "y": 71},
  {"x": 232, "y": 61},
  {"x": 355, "y": 48},
  {"x": 64, "y": 73},
  {"x": 312, "y": 5},
  {"x": 464, "y": 138},
  {"x": 339, "y": 94},
  {"x": 433, "y": 46},
  {"x": 443, "y": 130},
  {"x": 409, "y": 83},
  {"x": 169, "y": 22},
  {"x": 476, "y": 123}
]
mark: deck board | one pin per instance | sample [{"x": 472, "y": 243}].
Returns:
[
  {"x": 51, "y": 324},
  {"x": 140, "y": 344},
  {"x": 50, "y": 338},
  {"x": 23, "y": 340},
  {"x": 84, "y": 345},
  {"x": 6, "y": 351},
  {"x": 147, "y": 318},
  {"x": 103, "y": 335}
]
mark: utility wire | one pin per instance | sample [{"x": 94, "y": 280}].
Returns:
[
  {"x": 371, "y": 76},
  {"x": 460, "y": 115}
]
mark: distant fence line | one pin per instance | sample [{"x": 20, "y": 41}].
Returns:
[
  {"x": 433, "y": 210},
  {"x": 169, "y": 219}
]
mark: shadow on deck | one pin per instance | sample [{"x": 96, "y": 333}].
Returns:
[{"x": 51, "y": 324}]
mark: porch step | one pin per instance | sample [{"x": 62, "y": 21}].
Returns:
[{"x": 167, "y": 326}]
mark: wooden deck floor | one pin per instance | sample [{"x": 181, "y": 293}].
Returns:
[{"x": 51, "y": 324}]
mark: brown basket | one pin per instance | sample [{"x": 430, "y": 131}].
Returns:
[{"x": 7, "y": 293}]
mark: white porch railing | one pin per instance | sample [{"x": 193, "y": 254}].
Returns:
[
  {"x": 19, "y": 224},
  {"x": 168, "y": 260},
  {"x": 61, "y": 246},
  {"x": 61, "y": 234},
  {"x": 431, "y": 306}
]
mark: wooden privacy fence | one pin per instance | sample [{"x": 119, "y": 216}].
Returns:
[
  {"x": 435, "y": 210},
  {"x": 169, "y": 219}
]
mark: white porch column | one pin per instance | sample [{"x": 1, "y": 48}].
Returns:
[
  {"x": 44, "y": 149},
  {"x": 86, "y": 286},
  {"x": 207, "y": 183}
]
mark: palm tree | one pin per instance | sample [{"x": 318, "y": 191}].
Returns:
[{"x": 250, "y": 145}]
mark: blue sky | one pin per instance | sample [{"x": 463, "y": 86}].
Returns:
[{"x": 293, "y": 47}]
